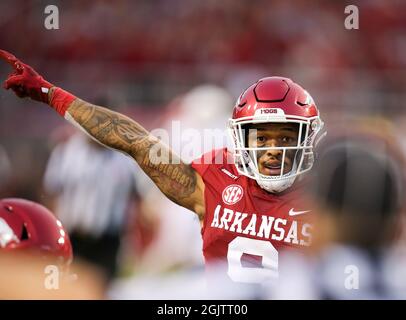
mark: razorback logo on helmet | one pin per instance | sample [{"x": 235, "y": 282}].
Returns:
[
  {"x": 7, "y": 234},
  {"x": 232, "y": 194}
]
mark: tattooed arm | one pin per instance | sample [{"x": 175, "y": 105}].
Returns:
[{"x": 177, "y": 180}]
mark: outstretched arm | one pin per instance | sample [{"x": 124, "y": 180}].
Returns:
[{"x": 177, "y": 180}]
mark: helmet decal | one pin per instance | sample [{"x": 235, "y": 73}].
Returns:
[{"x": 7, "y": 234}]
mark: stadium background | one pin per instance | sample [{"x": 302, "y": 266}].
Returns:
[{"x": 142, "y": 56}]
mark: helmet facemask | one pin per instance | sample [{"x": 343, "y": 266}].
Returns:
[{"x": 247, "y": 158}]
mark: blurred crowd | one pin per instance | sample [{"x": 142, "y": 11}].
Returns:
[
  {"x": 229, "y": 42},
  {"x": 156, "y": 61}
]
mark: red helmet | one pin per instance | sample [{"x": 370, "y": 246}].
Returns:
[
  {"x": 275, "y": 100},
  {"x": 28, "y": 225}
]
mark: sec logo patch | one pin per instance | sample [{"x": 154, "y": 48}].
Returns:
[{"x": 232, "y": 194}]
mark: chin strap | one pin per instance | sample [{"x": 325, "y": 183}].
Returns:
[{"x": 276, "y": 186}]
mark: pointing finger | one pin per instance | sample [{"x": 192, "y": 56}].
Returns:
[{"x": 10, "y": 59}]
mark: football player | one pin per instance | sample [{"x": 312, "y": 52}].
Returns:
[{"x": 249, "y": 200}]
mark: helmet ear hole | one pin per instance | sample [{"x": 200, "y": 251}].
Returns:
[
  {"x": 24, "y": 233},
  {"x": 303, "y": 135},
  {"x": 245, "y": 132}
]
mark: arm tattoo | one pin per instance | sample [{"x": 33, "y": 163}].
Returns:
[{"x": 174, "y": 178}]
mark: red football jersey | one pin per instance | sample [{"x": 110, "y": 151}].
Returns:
[{"x": 245, "y": 225}]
